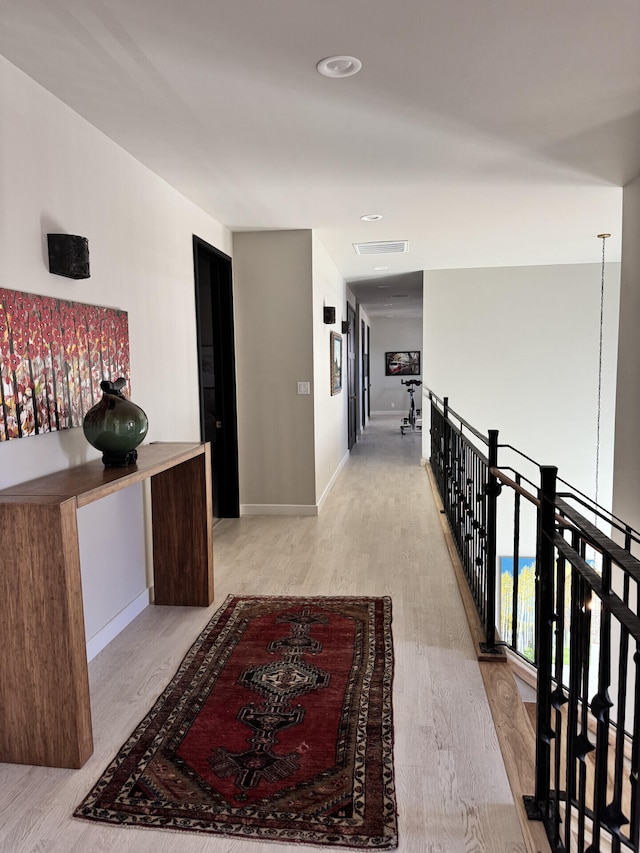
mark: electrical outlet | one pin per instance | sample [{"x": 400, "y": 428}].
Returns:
[{"x": 304, "y": 387}]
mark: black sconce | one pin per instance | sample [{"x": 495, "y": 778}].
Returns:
[
  {"x": 68, "y": 255},
  {"x": 329, "y": 315},
  {"x": 345, "y": 327}
]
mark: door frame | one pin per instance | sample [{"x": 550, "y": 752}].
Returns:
[
  {"x": 224, "y": 456},
  {"x": 352, "y": 378}
]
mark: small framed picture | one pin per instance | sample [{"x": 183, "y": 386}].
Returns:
[
  {"x": 402, "y": 363},
  {"x": 336, "y": 363}
]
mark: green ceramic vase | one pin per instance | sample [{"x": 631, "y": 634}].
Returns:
[{"x": 115, "y": 426}]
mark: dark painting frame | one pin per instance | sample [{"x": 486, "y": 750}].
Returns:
[
  {"x": 336, "y": 363},
  {"x": 402, "y": 363}
]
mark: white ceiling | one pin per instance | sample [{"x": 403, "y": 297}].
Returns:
[{"x": 493, "y": 133}]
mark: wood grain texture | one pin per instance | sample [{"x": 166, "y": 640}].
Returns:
[
  {"x": 473, "y": 620},
  {"x": 517, "y": 742},
  {"x": 182, "y": 533},
  {"x": 378, "y": 533},
  {"x": 45, "y": 714},
  {"x": 513, "y": 727},
  {"x": 44, "y": 686},
  {"x": 92, "y": 481}
]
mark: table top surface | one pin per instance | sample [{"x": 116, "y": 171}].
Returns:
[{"x": 91, "y": 481}]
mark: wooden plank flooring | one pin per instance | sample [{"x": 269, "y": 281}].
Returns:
[{"x": 379, "y": 534}]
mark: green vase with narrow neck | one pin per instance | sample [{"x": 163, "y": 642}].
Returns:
[{"x": 115, "y": 426}]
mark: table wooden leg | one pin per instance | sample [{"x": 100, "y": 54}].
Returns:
[
  {"x": 182, "y": 521},
  {"x": 45, "y": 712}
]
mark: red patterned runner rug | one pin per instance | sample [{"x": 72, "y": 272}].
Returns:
[{"x": 277, "y": 726}]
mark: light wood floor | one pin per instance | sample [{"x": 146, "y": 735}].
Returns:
[{"x": 379, "y": 534}]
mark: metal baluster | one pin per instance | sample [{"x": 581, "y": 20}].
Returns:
[
  {"x": 516, "y": 565},
  {"x": 634, "y": 776},
  {"x": 446, "y": 462},
  {"x": 575, "y": 744},
  {"x": 490, "y": 543},
  {"x": 614, "y": 816},
  {"x": 600, "y": 705},
  {"x": 557, "y": 697},
  {"x": 546, "y": 551},
  {"x": 587, "y": 747}
]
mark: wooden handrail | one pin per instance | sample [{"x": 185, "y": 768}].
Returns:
[
  {"x": 561, "y": 520},
  {"x": 515, "y": 486}
]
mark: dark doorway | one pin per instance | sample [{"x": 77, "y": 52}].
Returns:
[
  {"x": 351, "y": 375},
  {"x": 217, "y": 368},
  {"x": 368, "y": 371},
  {"x": 365, "y": 373}
]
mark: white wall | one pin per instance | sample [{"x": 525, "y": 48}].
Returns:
[
  {"x": 626, "y": 487},
  {"x": 392, "y": 335},
  {"x": 59, "y": 174},
  {"x": 519, "y": 353},
  {"x": 330, "y": 412}
]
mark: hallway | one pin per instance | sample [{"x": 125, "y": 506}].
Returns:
[{"x": 379, "y": 533}]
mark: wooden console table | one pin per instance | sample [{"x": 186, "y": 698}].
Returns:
[{"x": 45, "y": 712}]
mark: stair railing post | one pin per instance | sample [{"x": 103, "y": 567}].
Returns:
[
  {"x": 544, "y": 633},
  {"x": 446, "y": 461},
  {"x": 493, "y": 491}
]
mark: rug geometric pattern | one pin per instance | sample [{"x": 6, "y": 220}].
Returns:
[{"x": 277, "y": 726}]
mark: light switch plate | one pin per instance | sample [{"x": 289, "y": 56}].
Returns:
[{"x": 304, "y": 387}]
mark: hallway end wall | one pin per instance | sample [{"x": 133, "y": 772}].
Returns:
[
  {"x": 626, "y": 484},
  {"x": 388, "y": 334},
  {"x": 519, "y": 353}
]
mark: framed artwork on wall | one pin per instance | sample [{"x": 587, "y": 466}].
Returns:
[
  {"x": 336, "y": 363},
  {"x": 53, "y": 355},
  {"x": 402, "y": 363}
]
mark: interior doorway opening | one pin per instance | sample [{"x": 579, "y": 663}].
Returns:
[{"x": 217, "y": 373}]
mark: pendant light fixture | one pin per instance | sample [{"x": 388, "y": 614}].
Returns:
[{"x": 602, "y": 237}]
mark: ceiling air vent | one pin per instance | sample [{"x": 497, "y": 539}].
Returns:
[{"x": 382, "y": 247}]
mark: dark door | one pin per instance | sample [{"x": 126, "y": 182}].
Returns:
[
  {"x": 368, "y": 371},
  {"x": 351, "y": 374},
  {"x": 217, "y": 369},
  {"x": 365, "y": 372}
]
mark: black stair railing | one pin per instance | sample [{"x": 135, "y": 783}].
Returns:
[
  {"x": 469, "y": 491},
  {"x": 587, "y": 633},
  {"x": 588, "y": 730}
]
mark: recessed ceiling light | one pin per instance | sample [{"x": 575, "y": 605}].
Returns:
[
  {"x": 371, "y": 217},
  {"x": 339, "y": 66},
  {"x": 379, "y": 269},
  {"x": 384, "y": 287}
]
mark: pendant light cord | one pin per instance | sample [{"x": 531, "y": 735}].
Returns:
[{"x": 603, "y": 237}]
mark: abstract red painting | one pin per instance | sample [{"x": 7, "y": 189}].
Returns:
[{"x": 53, "y": 356}]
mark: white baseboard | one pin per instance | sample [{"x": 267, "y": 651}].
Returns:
[
  {"x": 332, "y": 481},
  {"x": 111, "y": 630},
  {"x": 278, "y": 509},
  {"x": 295, "y": 509}
]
